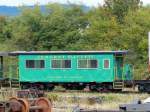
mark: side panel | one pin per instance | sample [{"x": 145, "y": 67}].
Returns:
[{"x": 74, "y": 74}]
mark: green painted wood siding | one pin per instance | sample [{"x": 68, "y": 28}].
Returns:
[{"x": 74, "y": 74}]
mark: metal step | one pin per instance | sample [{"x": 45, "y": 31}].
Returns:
[
  {"x": 10, "y": 83},
  {"x": 118, "y": 84}
]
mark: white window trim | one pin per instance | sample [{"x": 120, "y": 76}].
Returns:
[
  {"x": 104, "y": 65},
  {"x": 87, "y": 64},
  {"x": 61, "y": 64},
  {"x": 35, "y": 60}
]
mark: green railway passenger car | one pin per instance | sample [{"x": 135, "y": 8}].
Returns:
[{"x": 97, "y": 70}]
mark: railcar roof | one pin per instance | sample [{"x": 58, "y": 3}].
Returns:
[
  {"x": 66, "y": 52},
  {"x": 3, "y": 53}
]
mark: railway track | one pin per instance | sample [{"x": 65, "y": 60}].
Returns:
[
  {"x": 85, "y": 110},
  {"x": 99, "y": 111},
  {"x": 82, "y": 91}
]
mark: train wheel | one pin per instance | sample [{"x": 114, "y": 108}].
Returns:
[
  {"x": 93, "y": 88},
  {"x": 99, "y": 89},
  {"x": 44, "y": 103},
  {"x": 49, "y": 87},
  {"x": 80, "y": 87},
  {"x": 26, "y": 86},
  {"x": 117, "y": 90},
  {"x": 142, "y": 87},
  {"x": 25, "y": 105}
]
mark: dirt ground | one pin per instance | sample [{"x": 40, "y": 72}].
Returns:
[{"x": 69, "y": 101}]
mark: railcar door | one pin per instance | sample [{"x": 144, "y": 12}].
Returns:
[
  {"x": 128, "y": 72},
  {"x": 119, "y": 68}
]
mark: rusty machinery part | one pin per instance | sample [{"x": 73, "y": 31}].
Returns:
[
  {"x": 13, "y": 99},
  {"x": 2, "y": 106},
  {"x": 31, "y": 102},
  {"x": 44, "y": 103},
  {"x": 14, "y": 105},
  {"x": 24, "y": 105}
]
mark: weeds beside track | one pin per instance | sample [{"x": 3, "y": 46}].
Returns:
[{"x": 67, "y": 101}]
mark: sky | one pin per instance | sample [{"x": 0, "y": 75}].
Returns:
[{"x": 43, "y": 2}]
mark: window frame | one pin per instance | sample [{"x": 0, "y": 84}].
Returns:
[
  {"x": 104, "y": 63},
  {"x": 87, "y": 63},
  {"x": 61, "y": 64},
  {"x": 34, "y": 63}
]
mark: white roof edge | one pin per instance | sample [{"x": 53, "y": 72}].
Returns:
[{"x": 40, "y": 52}]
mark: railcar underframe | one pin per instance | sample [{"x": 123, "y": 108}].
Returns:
[{"x": 89, "y": 86}]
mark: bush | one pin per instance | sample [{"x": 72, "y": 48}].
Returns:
[{"x": 53, "y": 97}]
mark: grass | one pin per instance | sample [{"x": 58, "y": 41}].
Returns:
[
  {"x": 68, "y": 100},
  {"x": 7, "y": 93}
]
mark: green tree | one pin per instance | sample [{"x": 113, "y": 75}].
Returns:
[
  {"x": 103, "y": 32},
  {"x": 62, "y": 28},
  {"x": 3, "y": 24},
  {"x": 120, "y": 8},
  {"x": 25, "y": 29}
]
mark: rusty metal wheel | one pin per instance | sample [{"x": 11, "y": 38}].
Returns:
[
  {"x": 14, "y": 105},
  {"x": 2, "y": 106},
  {"x": 13, "y": 99},
  {"x": 44, "y": 103},
  {"x": 24, "y": 105}
]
